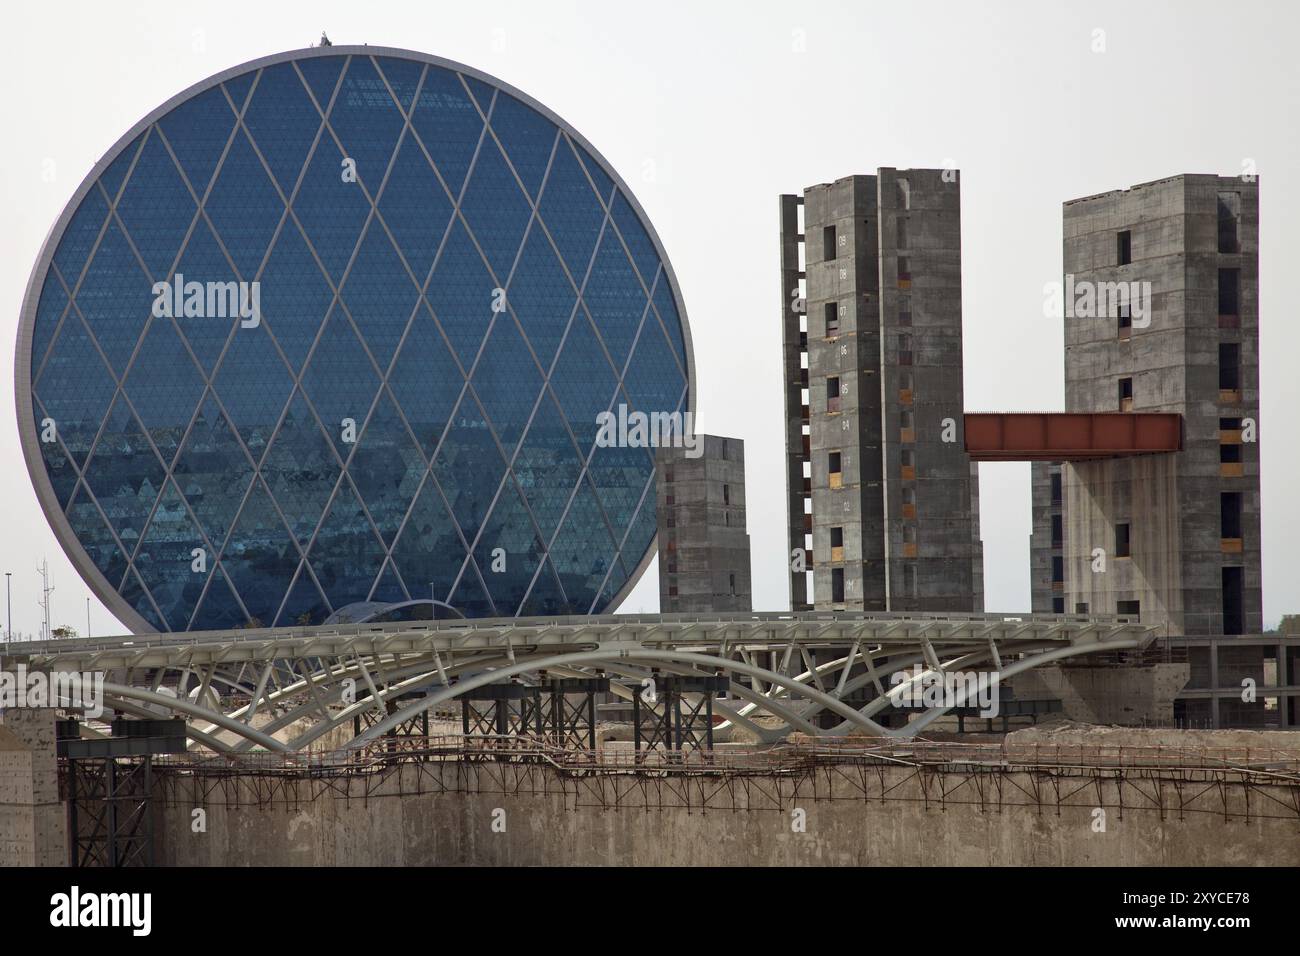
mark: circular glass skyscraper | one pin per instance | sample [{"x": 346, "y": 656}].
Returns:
[{"x": 336, "y": 326}]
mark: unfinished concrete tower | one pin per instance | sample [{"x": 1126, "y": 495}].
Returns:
[
  {"x": 1179, "y": 534},
  {"x": 882, "y": 496},
  {"x": 703, "y": 544},
  {"x": 1047, "y": 539}
]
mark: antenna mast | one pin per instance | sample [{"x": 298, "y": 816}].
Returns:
[{"x": 46, "y": 590}]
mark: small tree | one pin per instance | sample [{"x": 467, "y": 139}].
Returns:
[{"x": 64, "y": 631}]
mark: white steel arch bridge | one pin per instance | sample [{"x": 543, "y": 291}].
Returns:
[{"x": 285, "y": 689}]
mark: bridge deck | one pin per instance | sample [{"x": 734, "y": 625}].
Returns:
[{"x": 558, "y": 634}]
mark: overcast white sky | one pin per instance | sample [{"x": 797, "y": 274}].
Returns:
[{"x": 711, "y": 109}]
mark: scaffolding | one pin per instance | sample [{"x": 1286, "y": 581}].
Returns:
[{"x": 1241, "y": 784}]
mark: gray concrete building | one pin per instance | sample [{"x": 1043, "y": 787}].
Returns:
[
  {"x": 703, "y": 544},
  {"x": 1178, "y": 534},
  {"x": 1047, "y": 539},
  {"x": 882, "y": 497}
]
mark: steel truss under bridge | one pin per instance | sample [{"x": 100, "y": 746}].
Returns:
[{"x": 820, "y": 673}]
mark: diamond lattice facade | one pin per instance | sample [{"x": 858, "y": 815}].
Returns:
[{"x": 442, "y": 285}]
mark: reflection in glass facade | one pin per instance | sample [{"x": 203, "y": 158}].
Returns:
[{"x": 413, "y": 412}]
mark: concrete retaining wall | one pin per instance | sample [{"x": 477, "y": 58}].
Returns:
[{"x": 564, "y": 824}]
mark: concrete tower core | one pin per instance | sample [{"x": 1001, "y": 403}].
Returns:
[
  {"x": 882, "y": 496},
  {"x": 703, "y": 545},
  {"x": 1179, "y": 533}
]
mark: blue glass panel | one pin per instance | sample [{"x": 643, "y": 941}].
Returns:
[
  {"x": 260, "y": 557},
  {"x": 254, "y": 385},
  {"x": 448, "y": 124},
  {"x": 403, "y": 76},
  {"x": 571, "y": 211},
  {"x": 386, "y": 468},
  {"x": 429, "y": 551},
  {"x": 238, "y": 88},
  {"x": 470, "y": 597},
  {"x": 322, "y": 75},
  {"x": 134, "y": 594},
  {"x": 425, "y": 380},
  {"x": 166, "y": 559},
  {"x": 508, "y": 551},
  {"x": 380, "y": 294},
  {"x": 496, "y": 209},
  {"x": 115, "y": 297},
  {"x": 615, "y": 298},
  {"x": 305, "y": 606},
  {"x": 547, "y": 598},
  {"x": 604, "y": 185},
  {"x": 367, "y": 122},
  {"x": 636, "y": 238},
  {"x": 640, "y": 533},
  {"x": 583, "y": 382},
  {"x": 507, "y": 381},
  {"x": 664, "y": 305},
  {"x": 156, "y": 208},
  {"x": 332, "y": 212},
  {"x": 583, "y": 551},
  {"x": 124, "y": 474},
  {"x": 60, "y": 470},
  {"x": 83, "y": 229},
  {"x": 619, "y": 476},
  {"x": 101, "y": 545},
  {"x": 527, "y": 138},
  {"x": 49, "y": 313},
  {"x": 282, "y": 122},
  {"x": 346, "y": 556},
  {"x": 165, "y": 386},
  {"x": 541, "y": 296},
  {"x": 468, "y": 466},
  {"x": 388, "y": 588},
  {"x": 301, "y": 469},
  {"x": 244, "y": 207},
  {"x": 547, "y": 467},
  {"x": 203, "y": 261},
  {"x": 111, "y": 178},
  {"x": 625, "y": 565},
  {"x": 295, "y": 295},
  {"x": 461, "y": 293},
  {"x": 197, "y": 132},
  {"x": 415, "y": 207},
  {"x": 482, "y": 92},
  {"x": 340, "y": 381},
  {"x": 220, "y": 609},
  {"x": 607, "y": 592},
  {"x": 75, "y": 389},
  {"x": 213, "y": 472},
  {"x": 653, "y": 380}
]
